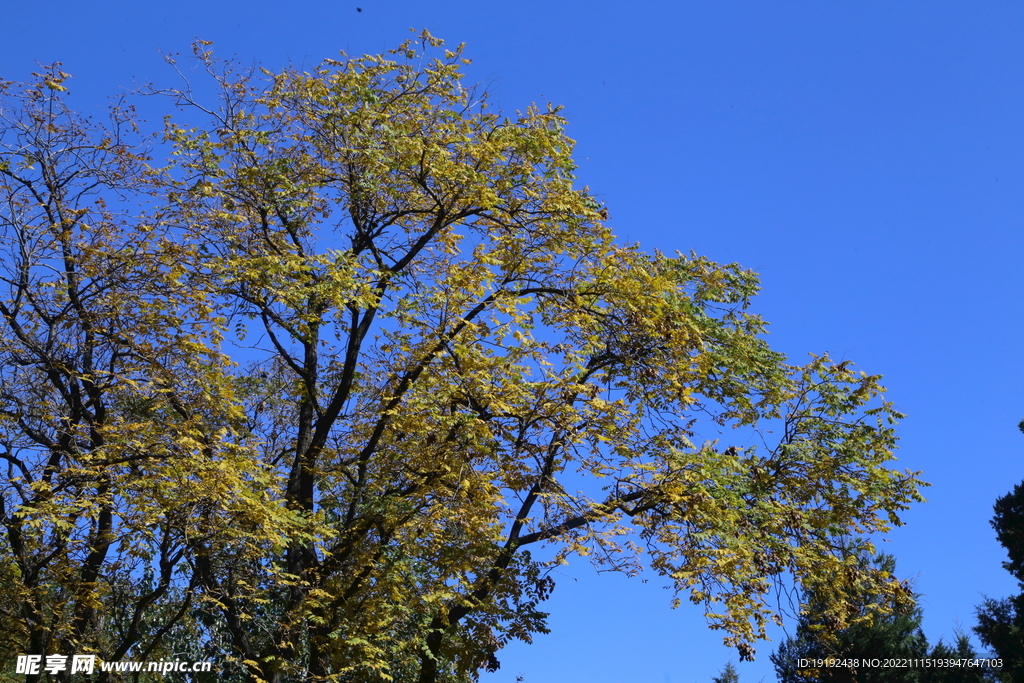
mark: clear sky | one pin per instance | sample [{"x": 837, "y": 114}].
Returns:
[{"x": 867, "y": 158}]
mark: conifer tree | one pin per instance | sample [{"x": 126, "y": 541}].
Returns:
[{"x": 1001, "y": 621}]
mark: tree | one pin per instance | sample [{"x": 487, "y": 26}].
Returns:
[
  {"x": 963, "y": 651},
  {"x": 728, "y": 675},
  {"x": 871, "y": 635},
  {"x": 868, "y": 635},
  {"x": 115, "y": 415},
  {"x": 1001, "y": 622},
  {"x": 398, "y": 350}
]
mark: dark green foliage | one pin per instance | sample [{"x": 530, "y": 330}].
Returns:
[
  {"x": 1009, "y": 525},
  {"x": 1001, "y": 622},
  {"x": 896, "y": 636},
  {"x": 728, "y": 675},
  {"x": 962, "y": 650},
  {"x": 1001, "y": 629}
]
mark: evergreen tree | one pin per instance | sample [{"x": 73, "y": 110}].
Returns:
[
  {"x": 1001, "y": 622},
  {"x": 896, "y": 635},
  {"x": 962, "y": 650},
  {"x": 728, "y": 675}
]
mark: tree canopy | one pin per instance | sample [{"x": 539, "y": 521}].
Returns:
[
  {"x": 1001, "y": 621},
  {"x": 897, "y": 636},
  {"x": 308, "y": 393},
  {"x": 871, "y": 636},
  {"x": 727, "y": 675}
]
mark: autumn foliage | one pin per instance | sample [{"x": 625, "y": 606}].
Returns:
[{"x": 305, "y": 395}]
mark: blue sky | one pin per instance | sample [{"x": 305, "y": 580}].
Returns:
[{"x": 866, "y": 158}]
